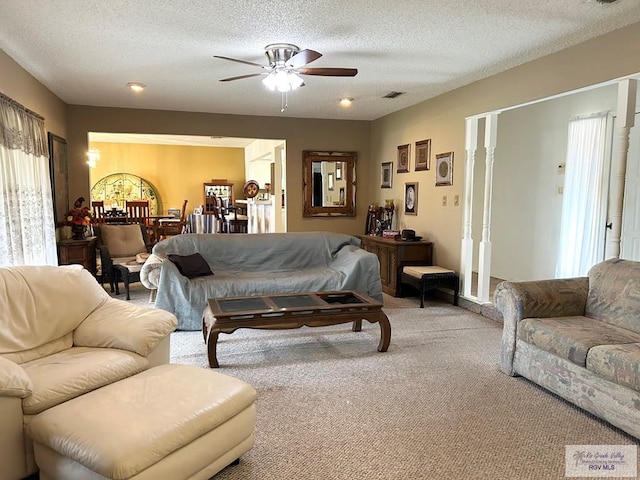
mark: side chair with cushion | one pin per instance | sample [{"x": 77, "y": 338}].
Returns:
[{"x": 123, "y": 250}]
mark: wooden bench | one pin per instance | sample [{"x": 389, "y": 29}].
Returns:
[{"x": 426, "y": 278}]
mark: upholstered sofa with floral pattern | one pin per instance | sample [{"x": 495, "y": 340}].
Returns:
[{"x": 579, "y": 338}]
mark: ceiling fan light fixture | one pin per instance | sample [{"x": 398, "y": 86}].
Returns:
[{"x": 282, "y": 80}]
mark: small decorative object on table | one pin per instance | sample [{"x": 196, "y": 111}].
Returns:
[{"x": 79, "y": 218}]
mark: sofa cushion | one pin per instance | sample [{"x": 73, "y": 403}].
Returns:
[
  {"x": 614, "y": 293},
  {"x": 617, "y": 363},
  {"x": 74, "y": 372},
  {"x": 123, "y": 240},
  {"x": 191, "y": 266},
  {"x": 572, "y": 337}
]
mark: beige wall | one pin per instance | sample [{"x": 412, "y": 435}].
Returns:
[
  {"x": 177, "y": 172},
  {"x": 443, "y": 120},
  {"x": 299, "y": 134},
  {"x": 17, "y": 83}
]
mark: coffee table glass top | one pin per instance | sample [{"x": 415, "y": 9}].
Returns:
[{"x": 284, "y": 302}]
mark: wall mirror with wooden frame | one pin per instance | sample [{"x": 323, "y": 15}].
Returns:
[{"x": 329, "y": 184}]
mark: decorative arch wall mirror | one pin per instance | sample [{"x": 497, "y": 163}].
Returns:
[{"x": 329, "y": 184}]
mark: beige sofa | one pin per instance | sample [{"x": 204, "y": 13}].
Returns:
[
  {"x": 579, "y": 338},
  {"x": 61, "y": 336}
]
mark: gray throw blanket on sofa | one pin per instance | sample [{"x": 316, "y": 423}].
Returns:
[{"x": 257, "y": 264}]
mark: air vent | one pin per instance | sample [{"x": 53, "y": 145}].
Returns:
[
  {"x": 606, "y": 1},
  {"x": 393, "y": 94}
]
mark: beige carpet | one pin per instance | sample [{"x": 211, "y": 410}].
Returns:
[{"x": 435, "y": 406}]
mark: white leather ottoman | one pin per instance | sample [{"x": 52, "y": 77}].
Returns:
[{"x": 171, "y": 422}]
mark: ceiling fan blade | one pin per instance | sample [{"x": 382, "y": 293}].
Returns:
[
  {"x": 239, "y": 61},
  {"x": 242, "y": 76},
  {"x": 329, "y": 72},
  {"x": 303, "y": 57}
]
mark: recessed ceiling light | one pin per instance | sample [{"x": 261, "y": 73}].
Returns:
[
  {"x": 136, "y": 86},
  {"x": 346, "y": 102}
]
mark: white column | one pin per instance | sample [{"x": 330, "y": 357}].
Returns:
[
  {"x": 466, "y": 254},
  {"x": 484, "y": 259},
  {"x": 277, "y": 220},
  {"x": 626, "y": 114}
]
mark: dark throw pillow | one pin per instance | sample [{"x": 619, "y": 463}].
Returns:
[{"x": 191, "y": 266}]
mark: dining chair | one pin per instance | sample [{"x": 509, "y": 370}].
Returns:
[
  {"x": 137, "y": 211},
  {"x": 98, "y": 210},
  {"x": 168, "y": 227}
]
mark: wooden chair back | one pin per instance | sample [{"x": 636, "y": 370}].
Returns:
[
  {"x": 138, "y": 211},
  {"x": 98, "y": 210},
  {"x": 170, "y": 227}
]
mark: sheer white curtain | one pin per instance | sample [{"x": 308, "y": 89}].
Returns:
[
  {"x": 584, "y": 205},
  {"x": 27, "y": 230}
]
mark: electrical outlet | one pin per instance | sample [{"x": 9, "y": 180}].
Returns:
[
  {"x": 444, "y": 200},
  {"x": 456, "y": 200},
  {"x": 560, "y": 190}
]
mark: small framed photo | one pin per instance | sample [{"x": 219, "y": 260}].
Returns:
[
  {"x": 423, "y": 155},
  {"x": 444, "y": 169},
  {"x": 338, "y": 170},
  {"x": 386, "y": 175},
  {"x": 331, "y": 181},
  {"x": 403, "y": 158},
  {"x": 411, "y": 198}
]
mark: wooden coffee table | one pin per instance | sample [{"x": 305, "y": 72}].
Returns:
[{"x": 318, "y": 309}]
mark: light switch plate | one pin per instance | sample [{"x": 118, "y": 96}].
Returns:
[
  {"x": 444, "y": 200},
  {"x": 456, "y": 200}
]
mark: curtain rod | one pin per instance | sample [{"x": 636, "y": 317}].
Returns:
[{"x": 19, "y": 105}]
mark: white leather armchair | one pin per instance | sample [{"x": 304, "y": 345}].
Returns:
[{"x": 61, "y": 336}]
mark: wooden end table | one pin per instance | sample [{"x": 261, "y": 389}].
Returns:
[{"x": 318, "y": 309}]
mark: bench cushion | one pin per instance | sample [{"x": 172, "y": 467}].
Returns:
[
  {"x": 124, "y": 428},
  {"x": 418, "y": 271}
]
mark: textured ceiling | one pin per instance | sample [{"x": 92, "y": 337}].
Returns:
[{"x": 86, "y": 51}]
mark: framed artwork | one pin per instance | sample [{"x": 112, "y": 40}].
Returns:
[
  {"x": 403, "y": 158},
  {"x": 339, "y": 171},
  {"x": 59, "y": 171},
  {"x": 331, "y": 181},
  {"x": 423, "y": 155},
  {"x": 411, "y": 198},
  {"x": 386, "y": 175},
  {"x": 444, "y": 169}
]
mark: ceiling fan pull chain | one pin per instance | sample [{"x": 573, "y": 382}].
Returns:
[{"x": 284, "y": 103}]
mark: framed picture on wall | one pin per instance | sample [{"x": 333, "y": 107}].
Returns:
[
  {"x": 338, "y": 170},
  {"x": 331, "y": 181},
  {"x": 411, "y": 198},
  {"x": 403, "y": 158},
  {"x": 444, "y": 169},
  {"x": 386, "y": 175},
  {"x": 59, "y": 171},
  {"x": 423, "y": 155}
]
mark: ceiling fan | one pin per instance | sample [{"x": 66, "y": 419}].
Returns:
[{"x": 286, "y": 63}]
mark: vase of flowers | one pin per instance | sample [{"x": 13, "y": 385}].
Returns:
[{"x": 79, "y": 218}]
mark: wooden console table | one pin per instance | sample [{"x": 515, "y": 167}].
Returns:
[
  {"x": 81, "y": 252},
  {"x": 293, "y": 310},
  {"x": 395, "y": 254}
]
